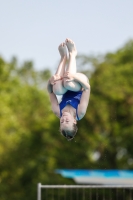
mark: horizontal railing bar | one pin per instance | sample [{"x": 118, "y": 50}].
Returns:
[{"x": 86, "y": 186}]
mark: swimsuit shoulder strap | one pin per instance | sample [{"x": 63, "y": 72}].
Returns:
[{"x": 77, "y": 114}]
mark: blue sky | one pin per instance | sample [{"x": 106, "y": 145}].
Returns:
[{"x": 33, "y": 29}]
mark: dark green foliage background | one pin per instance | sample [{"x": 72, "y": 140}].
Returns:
[{"x": 31, "y": 147}]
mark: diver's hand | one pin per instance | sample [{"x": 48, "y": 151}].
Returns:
[{"x": 55, "y": 78}]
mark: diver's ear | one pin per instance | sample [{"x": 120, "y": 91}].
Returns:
[{"x": 75, "y": 121}]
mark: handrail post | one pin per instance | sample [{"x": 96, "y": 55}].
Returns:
[{"x": 39, "y": 191}]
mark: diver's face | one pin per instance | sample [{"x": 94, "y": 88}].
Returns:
[{"x": 67, "y": 121}]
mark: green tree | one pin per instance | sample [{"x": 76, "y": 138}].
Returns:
[
  {"x": 110, "y": 112},
  {"x": 31, "y": 147}
]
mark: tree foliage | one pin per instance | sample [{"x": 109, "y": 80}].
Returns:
[
  {"x": 31, "y": 147},
  {"x": 110, "y": 111}
]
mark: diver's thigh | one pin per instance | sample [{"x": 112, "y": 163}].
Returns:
[
  {"x": 83, "y": 76},
  {"x": 58, "y": 88},
  {"x": 75, "y": 85}
]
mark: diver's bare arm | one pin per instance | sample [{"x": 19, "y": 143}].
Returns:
[
  {"x": 82, "y": 107},
  {"x": 54, "y": 104},
  {"x": 49, "y": 87},
  {"x": 53, "y": 99}
]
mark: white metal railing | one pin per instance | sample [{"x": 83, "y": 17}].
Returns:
[{"x": 125, "y": 195}]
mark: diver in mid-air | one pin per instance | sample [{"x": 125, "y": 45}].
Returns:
[{"x": 74, "y": 88}]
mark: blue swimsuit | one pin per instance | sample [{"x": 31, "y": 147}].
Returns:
[{"x": 71, "y": 98}]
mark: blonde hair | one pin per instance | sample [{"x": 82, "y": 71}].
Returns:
[{"x": 72, "y": 132}]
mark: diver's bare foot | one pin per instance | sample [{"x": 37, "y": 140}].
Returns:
[
  {"x": 62, "y": 50},
  {"x": 71, "y": 47}
]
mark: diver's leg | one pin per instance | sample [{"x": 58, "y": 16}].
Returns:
[
  {"x": 58, "y": 87},
  {"x": 71, "y": 67}
]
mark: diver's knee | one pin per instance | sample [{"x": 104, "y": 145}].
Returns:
[
  {"x": 71, "y": 85},
  {"x": 67, "y": 84}
]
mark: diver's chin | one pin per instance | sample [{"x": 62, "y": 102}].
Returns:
[{"x": 64, "y": 113}]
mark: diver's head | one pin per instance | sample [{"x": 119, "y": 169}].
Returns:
[{"x": 68, "y": 126}]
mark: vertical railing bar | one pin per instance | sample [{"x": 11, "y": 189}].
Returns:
[
  {"x": 64, "y": 193},
  {"x": 130, "y": 194},
  {"x": 77, "y": 191},
  {"x": 39, "y": 191},
  {"x": 90, "y": 194},
  {"x": 123, "y": 193},
  {"x": 116, "y": 193},
  {"x": 53, "y": 194},
  {"x": 86, "y": 193},
  {"x": 49, "y": 194},
  {"x": 83, "y": 193},
  {"x": 103, "y": 194},
  {"x": 46, "y": 193},
  {"x": 96, "y": 193},
  {"x": 70, "y": 193},
  {"x": 58, "y": 194},
  {"x": 110, "y": 194}
]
